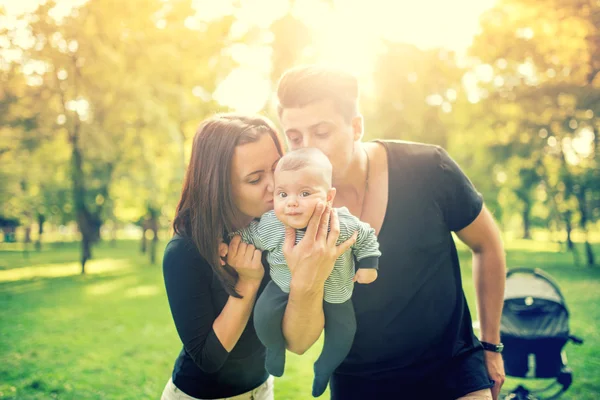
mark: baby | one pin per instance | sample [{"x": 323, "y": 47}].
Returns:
[{"x": 302, "y": 179}]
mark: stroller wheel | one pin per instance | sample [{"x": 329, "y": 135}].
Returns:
[
  {"x": 520, "y": 393},
  {"x": 565, "y": 378}
]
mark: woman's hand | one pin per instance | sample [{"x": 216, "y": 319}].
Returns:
[
  {"x": 312, "y": 259},
  {"x": 245, "y": 259}
]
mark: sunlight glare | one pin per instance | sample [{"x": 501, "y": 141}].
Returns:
[
  {"x": 350, "y": 34},
  {"x": 245, "y": 90},
  {"x": 59, "y": 270},
  {"x": 142, "y": 291}
]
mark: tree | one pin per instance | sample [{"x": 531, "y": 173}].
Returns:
[
  {"x": 108, "y": 97},
  {"x": 545, "y": 96}
]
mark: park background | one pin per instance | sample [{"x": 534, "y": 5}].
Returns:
[{"x": 100, "y": 99}]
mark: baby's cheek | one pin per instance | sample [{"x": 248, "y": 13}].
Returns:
[{"x": 279, "y": 212}]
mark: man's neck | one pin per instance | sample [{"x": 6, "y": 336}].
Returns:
[{"x": 352, "y": 184}]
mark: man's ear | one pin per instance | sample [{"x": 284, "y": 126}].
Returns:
[
  {"x": 331, "y": 195},
  {"x": 357, "y": 127}
]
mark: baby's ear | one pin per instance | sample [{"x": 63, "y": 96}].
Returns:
[{"x": 330, "y": 195}]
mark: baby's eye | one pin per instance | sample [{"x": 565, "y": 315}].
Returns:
[
  {"x": 282, "y": 194},
  {"x": 305, "y": 194}
]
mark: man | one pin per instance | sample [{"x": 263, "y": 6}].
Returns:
[{"x": 414, "y": 334}]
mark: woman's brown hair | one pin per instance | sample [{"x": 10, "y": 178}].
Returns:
[{"x": 206, "y": 211}]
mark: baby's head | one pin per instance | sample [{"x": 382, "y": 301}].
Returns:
[{"x": 302, "y": 178}]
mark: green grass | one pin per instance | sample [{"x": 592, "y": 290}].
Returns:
[{"x": 109, "y": 334}]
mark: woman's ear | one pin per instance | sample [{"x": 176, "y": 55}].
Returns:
[
  {"x": 330, "y": 195},
  {"x": 357, "y": 127}
]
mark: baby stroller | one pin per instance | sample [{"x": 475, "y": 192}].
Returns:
[{"x": 534, "y": 330}]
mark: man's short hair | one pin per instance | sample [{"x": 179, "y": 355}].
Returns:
[{"x": 306, "y": 84}]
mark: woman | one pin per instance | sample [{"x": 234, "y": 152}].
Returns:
[
  {"x": 228, "y": 183},
  {"x": 212, "y": 287}
]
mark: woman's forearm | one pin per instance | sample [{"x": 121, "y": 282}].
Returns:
[
  {"x": 233, "y": 319},
  {"x": 303, "y": 320}
]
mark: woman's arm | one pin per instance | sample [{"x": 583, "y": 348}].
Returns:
[
  {"x": 311, "y": 262},
  {"x": 232, "y": 321},
  {"x": 188, "y": 276}
]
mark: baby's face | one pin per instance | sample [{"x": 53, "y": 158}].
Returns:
[{"x": 297, "y": 193}]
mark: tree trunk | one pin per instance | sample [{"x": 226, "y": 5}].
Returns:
[
  {"x": 41, "y": 219},
  {"x": 154, "y": 243},
  {"x": 572, "y": 189},
  {"x": 86, "y": 252},
  {"x": 84, "y": 218},
  {"x": 144, "y": 244},
  {"x": 526, "y": 214},
  {"x": 113, "y": 235},
  {"x": 580, "y": 194},
  {"x": 86, "y": 222},
  {"x": 570, "y": 245},
  {"x": 27, "y": 240},
  {"x": 589, "y": 252}
]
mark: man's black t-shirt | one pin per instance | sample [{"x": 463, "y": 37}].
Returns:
[
  {"x": 204, "y": 369},
  {"x": 413, "y": 321}
]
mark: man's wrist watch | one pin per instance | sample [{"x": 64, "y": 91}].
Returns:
[{"x": 496, "y": 348}]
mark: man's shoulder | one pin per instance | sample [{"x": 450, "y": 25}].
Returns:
[
  {"x": 421, "y": 158},
  {"x": 414, "y": 150}
]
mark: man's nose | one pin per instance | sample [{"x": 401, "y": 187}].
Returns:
[{"x": 307, "y": 141}]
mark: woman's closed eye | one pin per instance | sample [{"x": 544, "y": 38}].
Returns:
[
  {"x": 297, "y": 139},
  {"x": 254, "y": 181}
]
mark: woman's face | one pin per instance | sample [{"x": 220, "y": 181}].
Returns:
[{"x": 252, "y": 177}]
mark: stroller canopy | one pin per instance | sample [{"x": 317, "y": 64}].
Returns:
[
  {"x": 520, "y": 285},
  {"x": 534, "y": 307}
]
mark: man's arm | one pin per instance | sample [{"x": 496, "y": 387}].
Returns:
[
  {"x": 489, "y": 275},
  {"x": 303, "y": 320},
  {"x": 310, "y": 262}
]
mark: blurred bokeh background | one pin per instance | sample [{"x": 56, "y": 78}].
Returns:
[{"x": 100, "y": 99}]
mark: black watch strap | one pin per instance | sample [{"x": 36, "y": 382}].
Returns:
[{"x": 496, "y": 348}]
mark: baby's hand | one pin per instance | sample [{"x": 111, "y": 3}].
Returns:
[{"x": 365, "y": 275}]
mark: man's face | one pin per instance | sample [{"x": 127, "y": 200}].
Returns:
[
  {"x": 320, "y": 125},
  {"x": 297, "y": 193}
]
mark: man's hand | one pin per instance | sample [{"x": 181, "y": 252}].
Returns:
[
  {"x": 310, "y": 262},
  {"x": 365, "y": 275},
  {"x": 312, "y": 259},
  {"x": 495, "y": 367}
]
